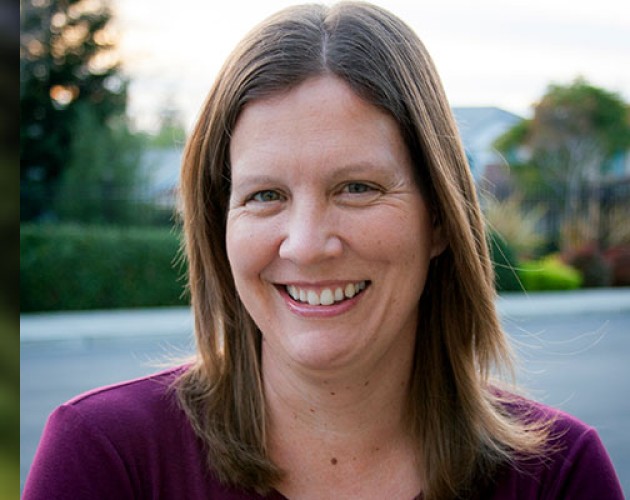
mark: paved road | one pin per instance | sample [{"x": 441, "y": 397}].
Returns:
[{"x": 576, "y": 361}]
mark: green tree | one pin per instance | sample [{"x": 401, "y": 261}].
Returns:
[
  {"x": 565, "y": 149},
  {"x": 102, "y": 180},
  {"x": 67, "y": 61}
]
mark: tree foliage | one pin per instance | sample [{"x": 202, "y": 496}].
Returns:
[
  {"x": 574, "y": 134},
  {"x": 102, "y": 179},
  {"x": 568, "y": 146},
  {"x": 67, "y": 63}
]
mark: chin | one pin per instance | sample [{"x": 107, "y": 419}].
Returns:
[{"x": 319, "y": 352}]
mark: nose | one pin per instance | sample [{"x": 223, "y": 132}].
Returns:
[{"x": 310, "y": 234}]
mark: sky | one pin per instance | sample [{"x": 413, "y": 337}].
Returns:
[{"x": 500, "y": 53}]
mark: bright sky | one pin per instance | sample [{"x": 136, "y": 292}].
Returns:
[{"x": 488, "y": 52}]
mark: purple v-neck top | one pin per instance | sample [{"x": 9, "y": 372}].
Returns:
[{"x": 132, "y": 441}]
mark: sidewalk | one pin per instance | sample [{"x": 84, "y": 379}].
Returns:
[
  {"x": 85, "y": 325},
  {"x": 167, "y": 321},
  {"x": 594, "y": 300}
]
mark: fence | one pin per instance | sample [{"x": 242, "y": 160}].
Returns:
[{"x": 601, "y": 216}]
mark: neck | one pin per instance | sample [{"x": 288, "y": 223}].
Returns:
[
  {"x": 333, "y": 401},
  {"x": 350, "y": 422}
]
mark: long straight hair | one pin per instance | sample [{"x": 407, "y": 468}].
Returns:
[{"x": 460, "y": 422}]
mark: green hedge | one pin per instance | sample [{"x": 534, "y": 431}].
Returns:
[
  {"x": 549, "y": 273},
  {"x": 70, "y": 267}
]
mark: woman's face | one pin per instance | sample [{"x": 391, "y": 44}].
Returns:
[{"x": 328, "y": 236}]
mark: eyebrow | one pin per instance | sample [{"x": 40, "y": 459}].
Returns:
[
  {"x": 364, "y": 167},
  {"x": 255, "y": 180}
]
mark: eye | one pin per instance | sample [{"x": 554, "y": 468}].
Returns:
[
  {"x": 265, "y": 196},
  {"x": 358, "y": 188}
]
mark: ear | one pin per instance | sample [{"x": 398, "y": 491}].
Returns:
[{"x": 438, "y": 239}]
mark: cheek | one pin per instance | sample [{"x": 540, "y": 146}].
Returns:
[
  {"x": 249, "y": 247},
  {"x": 237, "y": 242},
  {"x": 401, "y": 239}
]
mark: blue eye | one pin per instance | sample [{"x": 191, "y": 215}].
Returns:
[{"x": 266, "y": 196}]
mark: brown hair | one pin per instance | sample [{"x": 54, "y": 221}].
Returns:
[{"x": 463, "y": 427}]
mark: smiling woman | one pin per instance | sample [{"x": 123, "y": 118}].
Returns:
[{"x": 343, "y": 299}]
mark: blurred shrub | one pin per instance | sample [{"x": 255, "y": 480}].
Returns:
[
  {"x": 505, "y": 264},
  {"x": 549, "y": 273},
  {"x": 617, "y": 233},
  {"x": 69, "y": 267},
  {"x": 577, "y": 232},
  {"x": 516, "y": 224},
  {"x": 589, "y": 261},
  {"x": 618, "y": 258}
]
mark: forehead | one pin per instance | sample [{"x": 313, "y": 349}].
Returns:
[{"x": 322, "y": 120}]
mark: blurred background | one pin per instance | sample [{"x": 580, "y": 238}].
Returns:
[{"x": 109, "y": 89}]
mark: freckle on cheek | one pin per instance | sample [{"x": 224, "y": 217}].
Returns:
[{"x": 333, "y": 461}]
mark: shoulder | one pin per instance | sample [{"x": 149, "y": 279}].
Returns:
[
  {"x": 143, "y": 399},
  {"x": 116, "y": 440},
  {"x": 126, "y": 441},
  {"x": 564, "y": 427},
  {"x": 138, "y": 419},
  {"x": 574, "y": 464},
  {"x": 123, "y": 414}
]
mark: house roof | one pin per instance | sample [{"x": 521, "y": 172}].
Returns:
[{"x": 481, "y": 126}]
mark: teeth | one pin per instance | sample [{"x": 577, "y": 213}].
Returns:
[
  {"x": 313, "y": 298},
  {"x": 327, "y": 296}
]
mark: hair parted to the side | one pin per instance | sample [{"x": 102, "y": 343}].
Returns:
[{"x": 461, "y": 425}]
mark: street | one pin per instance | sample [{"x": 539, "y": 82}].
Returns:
[{"x": 576, "y": 362}]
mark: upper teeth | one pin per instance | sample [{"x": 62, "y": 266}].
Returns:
[{"x": 327, "y": 296}]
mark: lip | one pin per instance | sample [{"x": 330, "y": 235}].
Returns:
[{"x": 310, "y": 311}]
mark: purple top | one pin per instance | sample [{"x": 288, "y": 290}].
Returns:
[{"x": 132, "y": 441}]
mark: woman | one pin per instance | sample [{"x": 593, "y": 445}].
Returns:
[{"x": 343, "y": 299}]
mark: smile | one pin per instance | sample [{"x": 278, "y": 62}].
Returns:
[{"x": 326, "y": 296}]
